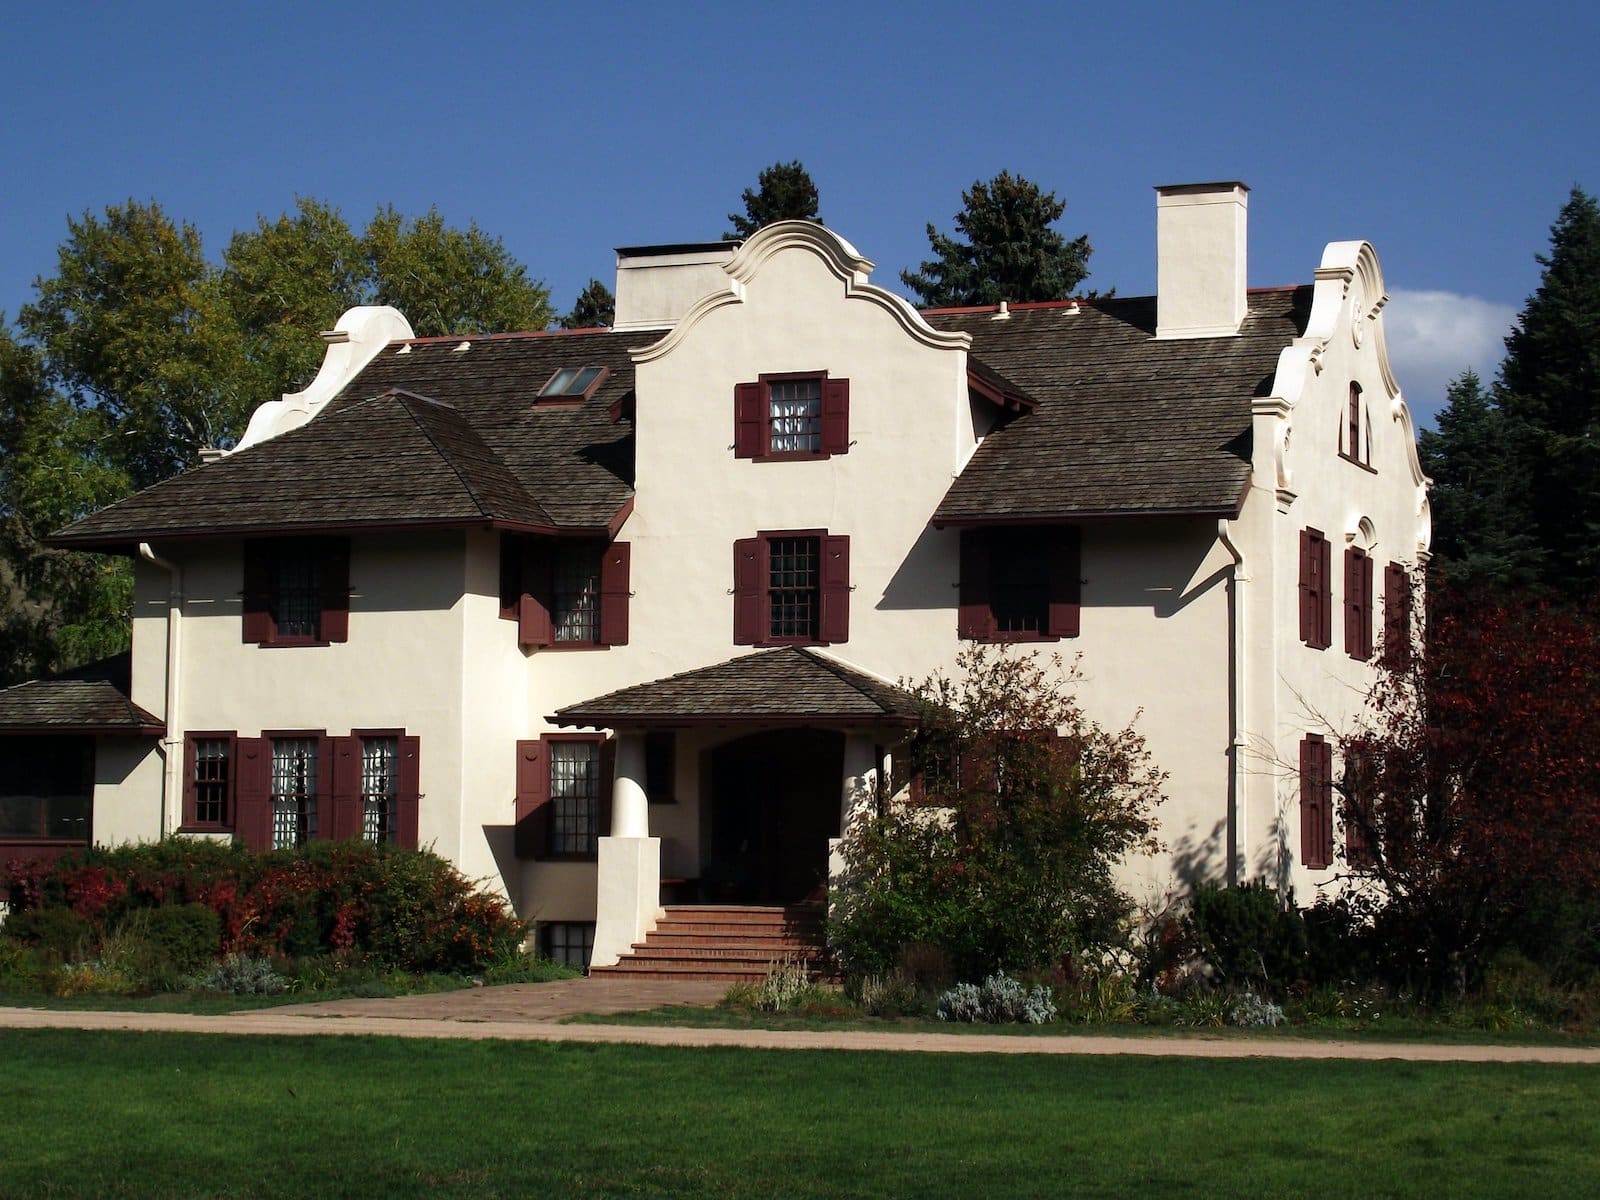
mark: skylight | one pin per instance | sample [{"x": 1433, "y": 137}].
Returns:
[{"x": 571, "y": 381}]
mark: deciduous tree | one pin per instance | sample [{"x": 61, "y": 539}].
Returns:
[
  {"x": 1010, "y": 251},
  {"x": 1024, "y": 806}
]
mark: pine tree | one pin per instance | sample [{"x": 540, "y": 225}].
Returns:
[
  {"x": 783, "y": 192},
  {"x": 1551, "y": 380},
  {"x": 595, "y": 306},
  {"x": 1011, "y": 253}
]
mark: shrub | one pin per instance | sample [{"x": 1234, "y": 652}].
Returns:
[
  {"x": 1029, "y": 806},
  {"x": 242, "y": 975},
  {"x": 1248, "y": 936},
  {"x": 1001, "y": 1000},
  {"x": 184, "y": 936},
  {"x": 1252, "y": 1011},
  {"x": 57, "y": 933},
  {"x": 88, "y": 979}
]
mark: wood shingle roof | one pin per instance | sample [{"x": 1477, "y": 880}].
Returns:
[{"x": 88, "y": 700}]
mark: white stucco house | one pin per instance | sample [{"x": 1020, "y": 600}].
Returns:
[{"x": 613, "y": 618}]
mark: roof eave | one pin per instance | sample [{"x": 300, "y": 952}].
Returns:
[
  {"x": 1085, "y": 516},
  {"x": 603, "y": 720}
]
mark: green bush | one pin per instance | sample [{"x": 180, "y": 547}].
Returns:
[
  {"x": 185, "y": 936},
  {"x": 1247, "y": 935},
  {"x": 57, "y": 933}
]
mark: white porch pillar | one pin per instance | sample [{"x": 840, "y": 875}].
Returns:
[
  {"x": 628, "y": 887},
  {"x": 857, "y": 794}
]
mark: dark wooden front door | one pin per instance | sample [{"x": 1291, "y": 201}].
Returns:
[{"x": 773, "y": 805}]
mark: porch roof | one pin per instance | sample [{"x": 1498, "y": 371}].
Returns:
[
  {"x": 88, "y": 700},
  {"x": 794, "y": 685}
]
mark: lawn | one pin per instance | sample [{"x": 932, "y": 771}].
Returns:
[{"x": 151, "y": 1115}]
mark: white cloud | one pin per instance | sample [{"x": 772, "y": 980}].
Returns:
[{"x": 1434, "y": 336}]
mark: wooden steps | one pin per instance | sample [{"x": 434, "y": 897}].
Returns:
[{"x": 726, "y": 942}]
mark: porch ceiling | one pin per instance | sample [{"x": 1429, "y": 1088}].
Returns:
[{"x": 794, "y": 685}]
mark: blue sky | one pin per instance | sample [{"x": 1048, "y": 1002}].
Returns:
[{"x": 1448, "y": 140}]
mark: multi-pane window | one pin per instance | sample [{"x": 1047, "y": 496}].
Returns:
[
  {"x": 212, "y": 775},
  {"x": 794, "y": 414},
  {"x": 1019, "y": 585},
  {"x": 46, "y": 787},
  {"x": 568, "y": 942},
  {"x": 294, "y": 791},
  {"x": 575, "y": 594},
  {"x": 574, "y": 797},
  {"x": 793, "y": 589},
  {"x": 297, "y": 595},
  {"x": 379, "y": 789}
]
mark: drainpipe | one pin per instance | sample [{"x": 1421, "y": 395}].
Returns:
[
  {"x": 1237, "y": 842},
  {"x": 171, "y": 745}
]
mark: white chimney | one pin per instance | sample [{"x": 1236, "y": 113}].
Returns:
[
  {"x": 656, "y": 285},
  {"x": 1200, "y": 259}
]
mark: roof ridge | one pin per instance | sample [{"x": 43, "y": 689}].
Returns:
[
  {"x": 449, "y": 411},
  {"x": 836, "y": 667}
]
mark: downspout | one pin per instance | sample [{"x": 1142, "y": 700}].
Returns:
[
  {"x": 1236, "y": 709},
  {"x": 171, "y": 744}
]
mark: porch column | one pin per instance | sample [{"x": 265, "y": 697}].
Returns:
[
  {"x": 857, "y": 794},
  {"x": 628, "y": 884}
]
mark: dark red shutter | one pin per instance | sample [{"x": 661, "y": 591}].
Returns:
[
  {"x": 834, "y": 625},
  {"x": 835, "y": 416},
  {"x": 533, "y": 605},
  {"x": 1366, "y": 607},
  {"x": 1396, "y": 616},
  {"x": 345, "y": 807},
  {"x": 408, "y": 792},
  {"x": 533, "y": 798},
  {"x": 614, "y": 572},
  {"x": 1065, "y": 557},
  {"x": 1325, "y": 780},
  {"x": 510, "y": 576},
  {"x": 324, "y": 829},
  {"x": 335, "y": 568},
  {"x": 257, "y": 625},
  {"x": 1309, "y": 760},
  {"x": 1352, "y": 602},
  {"x": 974, "y": 617},
  {"x": 189, "y": 815},
  {"x": 1308, "y": 600},
  {"x": 1325, "y": 593},
  {"x": 749, "y": 421},
  {"x": 749, "y": 591},
  {"x": 253, "y": 823}
]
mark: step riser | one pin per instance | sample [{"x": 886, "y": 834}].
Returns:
[{"x": 731, "y": 944}]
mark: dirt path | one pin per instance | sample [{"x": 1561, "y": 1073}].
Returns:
[{"x": 530, "y": 1012}]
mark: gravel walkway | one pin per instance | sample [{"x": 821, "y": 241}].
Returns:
[{"x": 530, "y": 1012}]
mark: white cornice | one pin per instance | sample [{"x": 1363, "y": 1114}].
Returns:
[{"x": 841, "y": 259}]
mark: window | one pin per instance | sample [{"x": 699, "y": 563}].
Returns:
[
  {"x": 791, "y": 588},
  {"x": 293, "y": 787},
  {"x": 1357, "y": 792},
  {"x": 1350, "y": 435},
  {"x": 1396, "y": 616},
  {"x": 46, "y": 788},
  {"x": 573, "y": 384},
  {"x": 1316, "y": 590},
  {"x": 1316, "y": 802},
  {"x": 296, "y": 591},
  {"x": 208, "y": 781},
  {"x": 563, "y": 795},
  {"x": 791, "y": 416},
  {"x": 567, "y": 942},
  {"x": 1357, "y": 604},
  {"x": 565, "y": 594},
  {"x": 294, "y": 791},
  {"x": 380, "y": 760},
  {"x": 1020, "y": 583}
]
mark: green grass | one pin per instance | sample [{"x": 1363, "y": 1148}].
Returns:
[
  {"x": 1387, "y": 1029},
  {"x": 155, "y": 1115}
]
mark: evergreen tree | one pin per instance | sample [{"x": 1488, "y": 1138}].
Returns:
[
  {"x": 595, "y": 306},
  {"x": 1551, "y": 380},
  {"x": 1010, "y": 252},
  {"x": 1480, "y": 460},
  {"x": 783, "y": 192}
]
